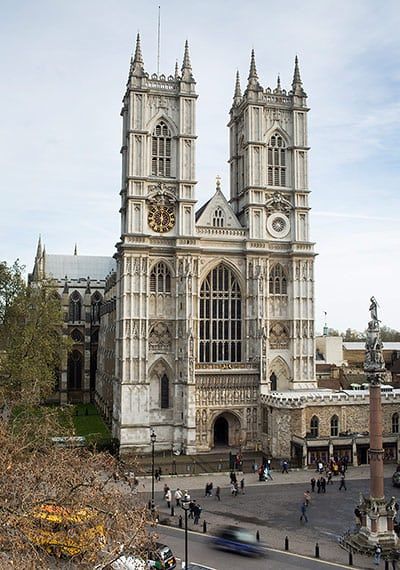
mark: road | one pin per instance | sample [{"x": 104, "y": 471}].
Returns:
[{"x": 201, "y": 551}]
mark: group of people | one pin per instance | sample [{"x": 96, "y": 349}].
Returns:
[{"x": 320, "y": 484}]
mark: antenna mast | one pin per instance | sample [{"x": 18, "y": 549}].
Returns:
[{"x": 158, "y": 42}]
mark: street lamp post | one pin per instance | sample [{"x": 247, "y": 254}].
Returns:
[
  {"x": 185, "y": 506},
  {"x": 153, "y": 438}
]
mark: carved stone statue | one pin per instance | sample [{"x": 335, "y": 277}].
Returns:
[{"x": 374, "y": 361}]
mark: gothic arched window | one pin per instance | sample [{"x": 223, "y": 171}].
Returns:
[
  {"x": 161, "y": 150},
  {"x": 75, "y": 307},
  {"x": 276, "y": 161},
  {"x": 218, "y": 218},
  {"x": 334, "y": 426},
  {"x": 314, "y": 426},
  {"x": 95, "y": 308},
  {"x": 164, "y": 391},
  {"x": 160, "y": 278},
  {"x": 220, "y": 317},
  {"x": 395, "y": 423},
  {"x": 74, "y": 378},
  {"x": 277, "y": 280}
]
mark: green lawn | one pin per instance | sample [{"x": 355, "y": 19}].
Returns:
[{"x": 88, "y": 422}]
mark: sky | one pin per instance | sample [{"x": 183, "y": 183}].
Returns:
[{"x": 63, "y": 69}]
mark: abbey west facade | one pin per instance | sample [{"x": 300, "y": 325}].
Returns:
[
  {"x": 202, "y": 324},
  {"x": 210, "y": 308}
]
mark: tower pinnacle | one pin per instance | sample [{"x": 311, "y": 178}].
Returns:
[
  {"x": 186, "y": 65},
  {"x": 39, "y": 248},
  {"x": 297, "y": 85},
  {"x": 253, "y": 77},
  {"x": 137, "y": 64},
  {"x": 237, "y": 97}
]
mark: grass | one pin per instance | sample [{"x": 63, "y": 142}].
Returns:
[{"x": 88, "y": 423}]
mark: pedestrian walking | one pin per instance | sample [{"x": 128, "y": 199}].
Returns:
[
  {"x": 318, "y": 485},
  {"x": 178, "y": 496},
  {"x": 342, "y": 482},
  {"x": 307, "y": 498},
  {"x": 233, "y": 477},
  {"x": 267, "y": 473},
  {"x": 168, "y": 497},
  {"x": 312, "y": 484},
  {"x": 208, "y": 490},
  {"x": 377, "y": 554},
  {"x": 192, "y": 505},
  {"x": 218, "y": 493},
  {"x": 323, "y": 485},
  {"x": 242, "y": 486},
  {"x": 329, "y": 475},
  {"x": 303, "y": 510},
  {"x": 357, "y": 514},
  {"x": 196, "y": 514},
  {"x": 285, "y": 466},
  {"x": 156, "y": 475}
]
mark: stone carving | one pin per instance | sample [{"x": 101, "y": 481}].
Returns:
[
  {"x": 278, "y": 203},
  {"x": 278, "y": 336},
  {"x": 162, "y": 195},
  {"x": 160, "y": 338}
]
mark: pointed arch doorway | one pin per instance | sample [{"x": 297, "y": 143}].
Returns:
[{"x": 226, "y": 430}]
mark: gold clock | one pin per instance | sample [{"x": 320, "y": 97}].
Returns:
[{"x": 161, "y": 219}]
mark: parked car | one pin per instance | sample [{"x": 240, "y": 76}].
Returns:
[
  {"x": 238, "y": 540},
  {"x": 161, "y": 558}
]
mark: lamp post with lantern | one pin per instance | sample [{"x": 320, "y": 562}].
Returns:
[
  {"x": 153, "y": 438},
  {"x": 185, "y": 502}
]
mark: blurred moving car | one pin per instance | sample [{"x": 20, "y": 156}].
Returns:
[{"x": 238, "y": 540}]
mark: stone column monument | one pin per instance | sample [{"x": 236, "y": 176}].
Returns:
[{"x": 377, "y": 514}]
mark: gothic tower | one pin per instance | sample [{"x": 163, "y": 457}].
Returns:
[
  {"x": 157, "y": 225},
  {"x": 269, "y": 194}
]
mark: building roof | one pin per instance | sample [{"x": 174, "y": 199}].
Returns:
[{"x": 78, "y": 266}]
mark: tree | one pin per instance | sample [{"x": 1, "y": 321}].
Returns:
[
  {"x": 53, "y": 499},
  {"x": 389, "y": 335},
  {"x": 30, "y": 337},
  {"x": 352, "y": 335}
]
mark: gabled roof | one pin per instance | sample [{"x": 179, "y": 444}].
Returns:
[
  {"x": 204, "y": 216},
  {"x": 78, "y": 266}
]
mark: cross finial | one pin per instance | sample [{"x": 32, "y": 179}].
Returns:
[{"x": 218, "y": 182}]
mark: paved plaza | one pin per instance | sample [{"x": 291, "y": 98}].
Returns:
[{"x": 273, "y": 508}]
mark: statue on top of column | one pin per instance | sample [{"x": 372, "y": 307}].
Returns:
[{"x": 374, "y": 361}]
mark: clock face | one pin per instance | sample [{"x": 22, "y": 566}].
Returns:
[{"x": 161, "y": 218}]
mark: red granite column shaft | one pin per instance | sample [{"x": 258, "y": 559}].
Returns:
[{"x": 376, "y": 448}]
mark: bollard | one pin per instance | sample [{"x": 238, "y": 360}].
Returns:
[
  {"x": 204, "y": 527},
  {"x": 149, "y": 505},
  {"x": 258, "y": 536},
  {"x": 350, "y": 558},
  {"x": 172, "y": 511},
  {"x": 180, "y": 521},
  {"x": 386, "y": 564},
  {"x": 317, "y": 550},
  {"x": 286, "y": 543}
]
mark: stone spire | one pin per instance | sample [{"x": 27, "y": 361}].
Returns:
[
  {"x": 253, "y": 77},
  {"x": 137, "y": 64},
  {"x": 39, "y": 248},
  {"x": 237, "y": 97},
  {"x": 297, "y": 85},
  {"x": 176, "y": 70},
  {"x": 186, "y": 65}
]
